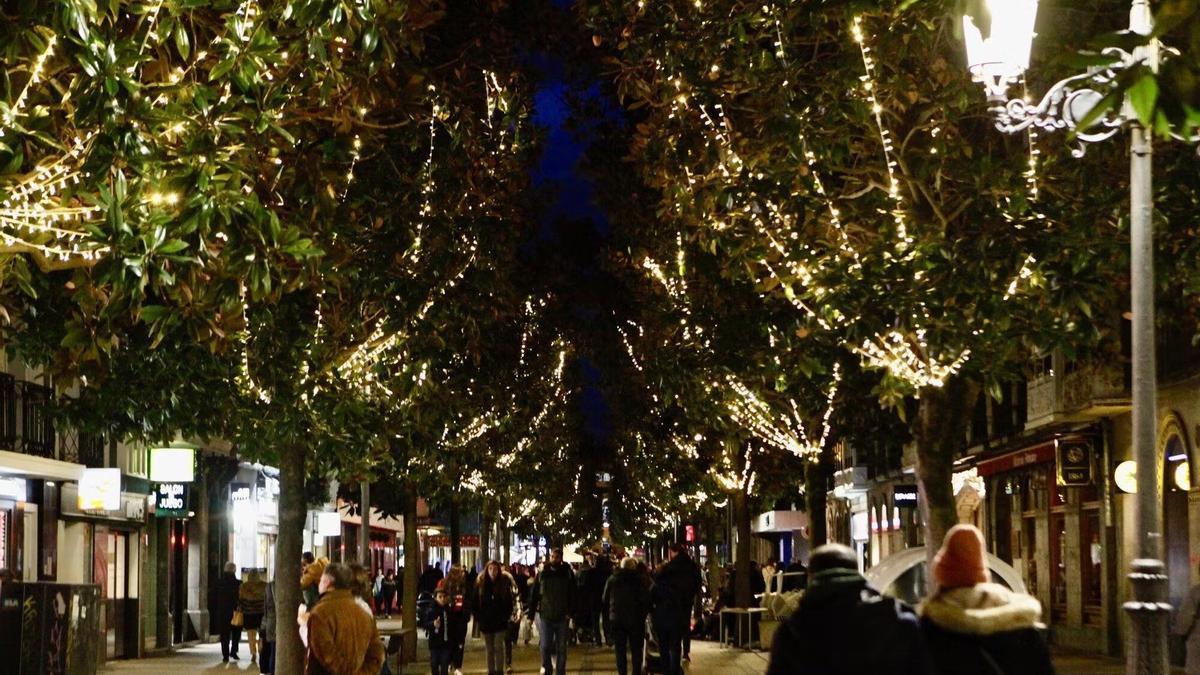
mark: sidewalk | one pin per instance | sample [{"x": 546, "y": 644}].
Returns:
[{"x": 707, "y": 659}]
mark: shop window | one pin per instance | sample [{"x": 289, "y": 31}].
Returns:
[
  {"x": 1091, "y": 559},
  {"x": 1058, "y": 567},
  {"x": 1029, "y": 552}
]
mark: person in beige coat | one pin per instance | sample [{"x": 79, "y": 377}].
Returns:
[{"x": 342, "y": 637}]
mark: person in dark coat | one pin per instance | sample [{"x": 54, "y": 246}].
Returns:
[
  {"x": 552, "y": 599},
  {"x": 796, "y": 578},
  {"x": 605, "y": 569},
  {"x": 495, "y": 603},
  {"x": 458, "y": 611},
  {"x": 387, "y": 594},
  {"x": 266, "y": 659},
  {"x": 436, "y": 622},
  {"x": 845, "y": 627},
  {"x": 974, "y": 626},
  {"x": 627, "y": 596},
  {"x": 228, "y": 587},
  {"x": 675, "y": 587},
  {"x": 429, "y": 579}
]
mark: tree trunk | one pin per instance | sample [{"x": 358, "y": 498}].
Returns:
[
  {"x": 412, "y": 568},
  {"x": 816, "y": 485},
  {"x": 485, "y": 539},
  {"x": 289, "y": 651},
  {"x": 741, "y": 517},
  {"x": 941, "y": 429},
  {"x": 455, "y": 549}
]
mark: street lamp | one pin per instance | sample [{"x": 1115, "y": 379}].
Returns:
[{"x": 998, "y": 59}]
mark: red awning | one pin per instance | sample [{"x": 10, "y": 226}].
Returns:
[{"x": 1038, "y": 454}]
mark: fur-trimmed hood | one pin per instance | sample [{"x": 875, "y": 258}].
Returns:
[{"x": 982, "y": 609}]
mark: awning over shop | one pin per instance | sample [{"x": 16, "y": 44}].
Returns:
[
  {"x": 1037, "y": 454},
  {"x": 779, "y": 521},
  {"x": 32, "y": 466}
]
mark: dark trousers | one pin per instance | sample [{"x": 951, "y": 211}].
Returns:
[
  {"x": 384, "y": 606},
  {"x": 439, "y": 660},
  {"x": 632, "y": 640},
  {"x": 230, "y": 637},
  {"x": 266, "y": 657},
  {"x": 670, "y": 642}
]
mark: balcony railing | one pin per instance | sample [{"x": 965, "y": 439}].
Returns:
[
  {"x": 1076, "y": 394},
  {"x": 8, "y": 412},
  {"x": 37, "y": 428},
  {"x": 82, "y": 448}
]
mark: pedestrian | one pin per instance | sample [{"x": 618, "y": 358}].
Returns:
[
  {"x": 436, "y": 624},
  {"x": 974, "y": 626},
  {"x": 605, "y": 569},
  {"x": 252, "y": 601},
  {"x": 228, "y": 587},
  {"x": 627, "y": 596},
  {"x": 552, "y": 599},
  {"x": 796, "y": 578},
  {"x": 266, "y": 657},
  {"x": 522, "y": 575},
  {"x": 843, "y": 626},
  {"x": 675, "y": 587},
  {"x": 458, "y": 613},
  {"x": 768, "y": 573},
  {"x": 430, "y": 578},
  {"x": 360, "y": 587},
  {"x": 310, "y": 577},
  {"x": 495, "y": 598},
  {"x": 387, "y": 594},
  {"x": 342, "y": 637}
]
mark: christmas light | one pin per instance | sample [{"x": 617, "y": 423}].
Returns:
[
  {"x": 908, "y": 362},
  {"x": 885, "y": 136}
]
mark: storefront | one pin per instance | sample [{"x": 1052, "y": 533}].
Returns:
[
  {"x": 112, "y": 523},
  {"x": 254, "y": 518},
  {"x": 1050, "y": 529}
]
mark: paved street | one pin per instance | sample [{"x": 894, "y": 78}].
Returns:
[{"x": 707, "y": 659}]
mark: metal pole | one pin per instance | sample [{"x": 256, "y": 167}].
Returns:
[
  {"x": 364, "y": 532},
  {"x": 1148, "y": 611}
]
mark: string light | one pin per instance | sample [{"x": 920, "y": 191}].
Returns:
[
  {"x": 35, "y": 76},
  {"x": 885, "y": 136},
  {"x": 895, "y": 353},
  {"x": 786, "y": 432}
]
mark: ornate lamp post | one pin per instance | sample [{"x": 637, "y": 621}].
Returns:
[{"x": 998, "y": 59}]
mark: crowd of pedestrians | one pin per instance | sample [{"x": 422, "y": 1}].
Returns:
[{"x": 841, "y": 625}]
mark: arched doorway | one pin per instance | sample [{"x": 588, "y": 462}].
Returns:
[{"x": 1176, "y": 482}]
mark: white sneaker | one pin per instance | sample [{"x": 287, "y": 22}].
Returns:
[{"x": 457, "y": 671}]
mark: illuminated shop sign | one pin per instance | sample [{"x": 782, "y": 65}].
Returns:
[
  {"x": 905, "y": 496},
  {"x": 172, "y": 465},
  {"x": 14, "y": 488},
  {"x": 171, "y": 500},
  {"x": 239, "y": 492},
  {"x": 100, "y": 490}
]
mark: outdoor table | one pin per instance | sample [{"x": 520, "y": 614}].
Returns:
[{"x": 744, "y": 616}]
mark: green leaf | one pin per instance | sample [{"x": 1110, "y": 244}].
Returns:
[
  {"x": 1143, "y": 96},
  {"x": 152, "y": 313},
  {"x": 182, "y": 43},
  {"x": 172, "y": 246}
]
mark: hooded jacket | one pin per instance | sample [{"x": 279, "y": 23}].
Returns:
[
  {"x": 985, "y": 629},
  {"x": 845, "y": 627},
  {"x": 627, "y": 594}
]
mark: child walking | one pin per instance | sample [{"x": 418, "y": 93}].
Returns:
[{"x": 437, "y": 631}]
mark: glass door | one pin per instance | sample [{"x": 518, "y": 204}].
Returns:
[{"x": 110, "y": 570}]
